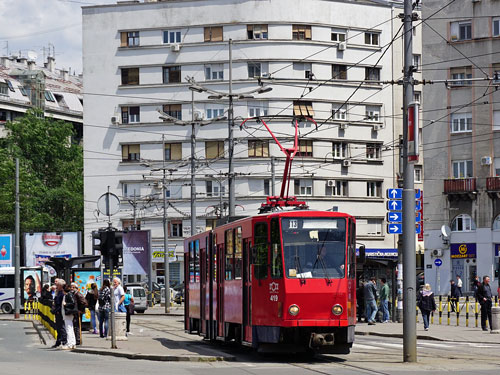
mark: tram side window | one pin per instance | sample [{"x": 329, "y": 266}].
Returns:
[
  {"x": 197, "y": 261},
  {"x": 277, "y": 260},
  {"x": 206, "y": 275},
  {"x": 229, "y": 250},
  {"x": 191, "y": 262},
  {"x": 260, "y": 253},
  {"x": 214, "y": 254},
  {"x": 352, "y": 250},
  {"x": 238, "y": 252}
]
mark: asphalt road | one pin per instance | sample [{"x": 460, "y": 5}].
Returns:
[{"x": 21, "y": 352}]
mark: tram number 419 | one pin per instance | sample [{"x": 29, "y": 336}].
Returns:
[{"x": 274, "y": 297}]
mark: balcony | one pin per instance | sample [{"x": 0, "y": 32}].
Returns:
[
  {"x": 460, "y": 188},
  {"x": 493, "y": 186}
]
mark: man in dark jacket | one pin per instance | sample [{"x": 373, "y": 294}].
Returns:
[
  {"x": 455, "y": 295},
  {"x": 57, "y": 309},
  {"x": 484, "y": 297},
  {"x": 370, "y": 296},
  {"x": 77, "y": 318}
]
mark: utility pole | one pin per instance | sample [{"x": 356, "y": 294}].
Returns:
[
  {"x": 409, "y": 261},
  {"x": 17, "y": 282},
  {"x": 230, "y": 122},
  {"x": 165, "y": 233},
  {"x": 193, "y": 180}
]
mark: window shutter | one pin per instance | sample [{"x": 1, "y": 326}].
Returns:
[
  {"x": 265, "y": 149},
  {"x": 124, "y": 152},
  {"x": 123, "y": 39},
  {"x": 210, "y": 150},
  {"x": 176, "y": 151},
  {"x": 217, "y": 34},
  {"x": 296, "y": 109},
  {"x": 308, "y": 32},
  {"x": 207, "y": 34},
  {"x": 134, "y": 149}
]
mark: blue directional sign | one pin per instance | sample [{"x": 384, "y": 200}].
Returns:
[
  {"x": 418, "y": 193},
  {"x": 438, "y": 262},
  {"x": 418, "y": 228},
  {"x": 395, "y": 193},
  {"x": 418, "y": 206},
  {"x": 394, "y": 228},
  {"x": 418, "y": 217},
  {"x": 395, "y": 217},
  {"x": 394, "y": 205}
]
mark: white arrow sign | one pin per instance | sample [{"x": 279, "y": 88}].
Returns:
[
  {"x": 394, "y": 217},
  {"x": 394, "y": 205}
]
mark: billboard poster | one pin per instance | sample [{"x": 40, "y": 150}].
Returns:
[
  {"x": 32, "y": 285},
  {"x": 6, "y": 247},
  {"x": 159, "y": 254},
  {"x": 84, "y": 279},
  {"x": 39, "y": 247},
  {"x": 136, "y": 252}
]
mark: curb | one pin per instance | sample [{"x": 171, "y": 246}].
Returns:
[
  {"x": 39, "y": 328},
  {"x": 154, "y": 357},
  {"x": 399, "y": 335}
]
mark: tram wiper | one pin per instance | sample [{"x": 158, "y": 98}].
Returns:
[
  {"x": 298, "y": 266},
  {"x": 320, "y": 260}
]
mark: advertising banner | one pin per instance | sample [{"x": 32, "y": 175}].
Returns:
[
  {"x": 6, "y": 247},
  {"x": 84, "y": 279},
  {"x": 136, "y": 252},
  {"x": 159, "y": 253},
  {"x": 32, "y": 284},
  {"x": 463, "y": 250},
  {"x": 39, "y": 247}
]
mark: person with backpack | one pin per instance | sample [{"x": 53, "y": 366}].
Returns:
[
  {"x": 70, "y": 308},
  {"x": 129, "y": 306},
  {"x": 81, "y": 304},
  {"x": 91, "y": 297},
  {"x": 104, "y": 300}
]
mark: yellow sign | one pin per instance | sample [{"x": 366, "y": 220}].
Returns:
[{"x": 462, "y": 249}]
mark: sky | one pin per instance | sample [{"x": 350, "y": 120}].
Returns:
[{"x": 32, "y": 25}]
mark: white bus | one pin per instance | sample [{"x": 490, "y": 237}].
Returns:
[{"x": 7, "y": 289}]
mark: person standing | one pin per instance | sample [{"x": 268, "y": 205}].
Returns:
[
  {"x": 426, "y": 304},
  {"x": 360, "y": 300},
  {"x": 384, "y": 300},
  {"x": 370, "y": 294},
  {"x": 459, "y": 286},
  {"x": 475, "y": 285},
  {"x": 453, "y": 296},
  {"x": 119, "y": 295},
  {"x": 129, "y": 306},
  {"x": 81, "y": 304},
  {"x": 104, "y": 299},
  {"x": 484, "y": 297},
  {"x": 70, "y": 308},
  {"x": 57, "y": 309},
  {"x": 91, "y": 297}
]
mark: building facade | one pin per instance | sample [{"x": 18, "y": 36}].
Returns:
[
  {"x": 461, "y": 145},
  {"x": 324, "y": 59}
]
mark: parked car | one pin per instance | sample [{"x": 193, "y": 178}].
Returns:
[
  {"x": 179, "y": 296},
  {"x": 140, "y": 299}
]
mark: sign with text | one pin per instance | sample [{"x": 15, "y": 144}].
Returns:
[
  {"x": 6, "y": 247},
  {"x": 463, "y": 250},
  {"x": 136, "y": 252}
]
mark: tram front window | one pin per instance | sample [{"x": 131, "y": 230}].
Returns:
[{"x": 314, "y": 247}]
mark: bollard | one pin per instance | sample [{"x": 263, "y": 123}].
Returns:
[
  {"x": 120, "y": 326},
  {"x": 440, "y": 309},
  {"x": 457, "y": 308},
  {"x": 432, "y": 317},
  {"x": 449, "y": 310},
  {"x": 467, "y": 311},
  {"x": 496, "y": 301},
  {"x": 495, "y": 320},
  {"x": 477, "y": 313},
  {"x": 416, "y": 315}
]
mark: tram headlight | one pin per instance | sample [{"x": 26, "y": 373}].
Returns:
[
  {"x": 337, "y": 309},
  {"x": 293, "y": 310}
]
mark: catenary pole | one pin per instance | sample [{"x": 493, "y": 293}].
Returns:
[
  {"x": 17, "y": 261},
  {"x": 165, "y": 233},
  {"x": 230, "y": 120},
  {"x": 193, "y": 181},
  {"x": 409, "y": 261}
]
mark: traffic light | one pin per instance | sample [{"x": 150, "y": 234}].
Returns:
[
  {"x": 118, "y": 249},
  {"x": 99, "y": 242}
]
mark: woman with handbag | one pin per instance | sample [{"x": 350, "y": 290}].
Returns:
[
  {"x": 70, "y": 308},
  {"x": 91, "y": 297},
  {"x": 129, "y": 306}
]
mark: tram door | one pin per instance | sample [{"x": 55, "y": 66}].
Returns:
[
  {"x": 203, "y": 286},
  {"x": 220, "y": 291},
  {"x": 247, "y": 292}
]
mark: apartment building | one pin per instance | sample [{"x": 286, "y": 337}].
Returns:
[
  {"x": 462, "y": 150},
  {"x": 323, "y": 59}
]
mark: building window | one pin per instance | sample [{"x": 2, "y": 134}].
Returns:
[
  {"x": 338, "y": 35},
  {"x": 214, "y": 113},
  {"x": 173, "y": 151},
  {"x": 49, "y": 97},
  {"x": 336, "y": 188},
  {"x": 173, "y": 110},
  {"x": 22, "y": 90},
  {"x": 129, "y": 39},
  {"x": 258, "y": 109},
  {"x": 130, "y": 76},
  {"x": 130, "y": 190},
  {"x": 373, "y": 151},
  {"x": 339, "y": 71},
  {"x": 214, "y": 149},
  {"x": 4, "y": 89},
  {"x": 176, "y": 228},
  {"x": 496, "y": 26},
  {"x": 372, "y": 39},
  {"x": 171, "y": 74},
  {"x": 131, "y": 152},
  {"x": 461, "y": 30},
  {"x": 303, "y": 108},
  {"x": 340, "y": 150},
  {"x": 130, "y": 115},
  {"x": 369, "y": 227},
  {"x": 214, "y": 72},
  {"x": 171, "y": 36},
  {"x": 305, "y": 148},
  {"x": 461, "y": 122},
  {"x": 372, "y": 74},
  {"x": 213, "y": 34},
  {"x": 258, "y": 149},
  {"x": 215, "y": 189},
  {"x": 303, "y": 187},
  {"x": 463, "y": 223},
  {"x": 461, "y": 73},
  {"x": 254, "y": 69},
  {"x": 372, "y": 113},
  {"x": 417, "y": 97},
  {"x": 257, "y": 31},
  {"x": 339, "y": 112},
  {"x": 374, "y": 189},
  {"x": 9, "y": 84},
  {"x": 131, "y": 224},
  {"x": 418, "y": 173},
  {"x": 462, "y": 168},
  {"x": 301, "y": 32},
  {"x": 416, "y": 61},
  {"x": 210, "y": 224},
  {"x": 267, "y": 187},
  {"x": 304, "y": 67}
]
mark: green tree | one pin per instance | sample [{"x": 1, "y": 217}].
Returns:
[{"x": 51, "y": 175}]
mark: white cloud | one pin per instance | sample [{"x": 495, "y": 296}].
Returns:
[{"x": 31, "y": 25}]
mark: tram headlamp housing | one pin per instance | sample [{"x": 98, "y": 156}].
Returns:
[
  {"x": 337, "y": 309},
  {"x": 293, "y": 310}
]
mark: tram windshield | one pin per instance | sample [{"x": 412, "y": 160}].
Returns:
[{"x": 314, "y": 247}]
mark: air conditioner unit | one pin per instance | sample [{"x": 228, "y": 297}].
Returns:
[
  {"x": 486, "y": 160},
  {"x": 343, "y": 125},
  {"x": 377, "y": 127},
  {"x": 346, "y": 162},
  {"x": 342, "y": 46},
  {"x": 176, "y": 47},
  {"x": 114, "y": 120},
  {"x": 330, "y": 183},
  {"x": 437, "y": 253}
]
